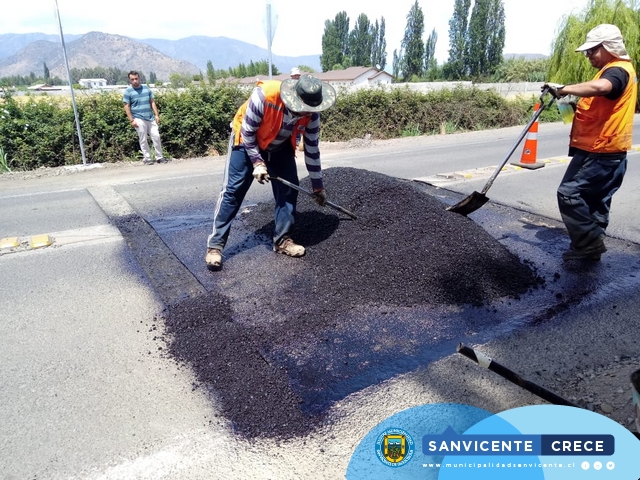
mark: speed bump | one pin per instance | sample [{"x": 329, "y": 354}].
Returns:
[{"x": 38, "y": 241}]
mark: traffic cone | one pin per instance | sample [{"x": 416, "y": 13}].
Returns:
[{"x": 530, "y": 151}]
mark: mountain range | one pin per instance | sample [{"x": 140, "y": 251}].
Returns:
[{"x": 21, "y": 54}]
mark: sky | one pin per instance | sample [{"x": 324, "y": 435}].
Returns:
[{"x": 530, "y": 26}]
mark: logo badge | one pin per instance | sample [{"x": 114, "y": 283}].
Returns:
[{"x": 394, "y": 447}]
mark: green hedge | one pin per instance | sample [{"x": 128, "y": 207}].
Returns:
[{"x": 41, "y": 131}]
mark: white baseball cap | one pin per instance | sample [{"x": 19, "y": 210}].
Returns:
[{"x": 610, "y": 37}]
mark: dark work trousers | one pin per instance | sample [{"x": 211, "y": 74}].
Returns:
[
  {"x": 238, "y": 176},
  {"x": 585, "y": 192}
]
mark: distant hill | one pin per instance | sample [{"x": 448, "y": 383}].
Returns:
[
  {"x": 226, "y": 52},
  {"x": 21, "y": 54},
  {"x": 95, "y": 49}
]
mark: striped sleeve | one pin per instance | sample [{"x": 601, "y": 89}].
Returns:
[
  {"x": 312, "y": 152},
  {"x": 250, "y": 124}
]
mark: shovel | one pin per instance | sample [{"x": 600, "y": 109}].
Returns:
[
  {"x": 311, "y": 194},
  {"x": 476, "y": 200}
]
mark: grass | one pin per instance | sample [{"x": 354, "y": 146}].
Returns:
[{"x": 4, "y": 162}]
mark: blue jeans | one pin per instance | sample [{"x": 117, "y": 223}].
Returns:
[
  {"x": 238, "y": 176},
  {"x": 585, "y": 192}
]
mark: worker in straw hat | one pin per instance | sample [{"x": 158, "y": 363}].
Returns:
[
  {"x": 600, "y": 136},
  {"x": 263, "y": 145}
]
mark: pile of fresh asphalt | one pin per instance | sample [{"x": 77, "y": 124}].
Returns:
[{"x": 280, "y": 338}]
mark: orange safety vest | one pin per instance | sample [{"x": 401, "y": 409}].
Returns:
[
  {"x": 271, "y": 119},
  {"x": 601, "y": 125}
]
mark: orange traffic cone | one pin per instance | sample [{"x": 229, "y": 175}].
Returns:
[{"x": 530, "y": 151}]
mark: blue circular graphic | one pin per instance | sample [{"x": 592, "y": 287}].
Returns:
[{"x": 536, "y": 442}]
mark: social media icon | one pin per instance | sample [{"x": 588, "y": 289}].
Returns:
[
  {"x": 611, "y": 465},
  {"x": 597, "y": 465},
  {"x": 585, "y": 465}
]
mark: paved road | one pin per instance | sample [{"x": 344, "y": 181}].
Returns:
[{"x": 88, "y": 391}]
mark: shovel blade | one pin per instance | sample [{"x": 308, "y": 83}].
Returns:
[{"x": 469, "y": 204}]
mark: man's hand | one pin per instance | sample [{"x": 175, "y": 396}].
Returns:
[
  {"x": 260, "y": 172},
  {"x": 320, "y": 197},
  {"x": 553, "y": 88}
]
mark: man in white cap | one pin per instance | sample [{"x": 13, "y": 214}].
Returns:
[
  {"x": 295, "y": 73},
  {"x": 600, "y": 137},
  {"x": 263, "y": 145}
]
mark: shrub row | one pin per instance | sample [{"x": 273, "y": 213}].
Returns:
[{"x": 41, "y": 131}]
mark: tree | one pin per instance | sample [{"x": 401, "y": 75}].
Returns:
[
  {"x": 412, "y": 44},
  {"x": 379, "y": 45},
  {"x": 331, "y": 47},
  {"x": 47, "y": 75},
  {"x": 430, "y": 61},
  {"x": 397, "y": 63},
  {"x": 455, "y": 67},
  {"x": 565, "y": 65},
  {"x": 360, "y": 42},
  {"x": 485, "y": 39},
  {"x": 342, "y": 30},
  {"x": 211, "y": 72},
  {"x": 153, "y": 78},
  {"x": 497, "y": 32}
]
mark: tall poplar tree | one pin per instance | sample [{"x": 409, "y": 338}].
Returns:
[
  {"x": 342, "y": 29},
  {"x": 455, "y": 67},
  {"x": 331, "y": 47},
  {"x": 412, "y": 44},
  {"x": 485, "y": 38},
  {"x": 379, "y": 47},
  {"x": 360, "y": 42},
  {"x": 430, "y": 61}
]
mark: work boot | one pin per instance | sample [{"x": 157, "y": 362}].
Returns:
[
  {"x": 161, "y": 160},
  {"x": 593, "y": 251},
  {"x": 213, "y": 259},
  {"x": 289, "y": 247}
]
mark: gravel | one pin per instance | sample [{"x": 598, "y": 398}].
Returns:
[{"x": 256, "y": 354}]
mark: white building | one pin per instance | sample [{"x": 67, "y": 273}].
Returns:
[{"x": 93, "y": 82}]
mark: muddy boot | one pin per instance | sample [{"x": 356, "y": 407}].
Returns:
[
  {"x": 213, "y": 259},
  {"x": 289, "y": 247},
  {"x": 593, "y": 251}
]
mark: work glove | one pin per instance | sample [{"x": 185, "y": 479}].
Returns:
[
  {"x": 553, "y": 89},
  {"x": 320, "y": 197},
  {"x": 260, "y": 172}
]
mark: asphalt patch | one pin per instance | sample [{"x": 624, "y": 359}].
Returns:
[{"x": 280, "y": 340}]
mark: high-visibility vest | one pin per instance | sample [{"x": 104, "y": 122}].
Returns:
[
  {"x": 601, "y": 125},
  {"x": 271, "y": 119}
]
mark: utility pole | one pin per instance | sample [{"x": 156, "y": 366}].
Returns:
[
  {"x": 270, "y": 22},
  {"x": 73, "y": 98}
]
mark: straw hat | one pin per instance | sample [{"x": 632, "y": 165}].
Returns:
[{"x": 308, "y": 94}]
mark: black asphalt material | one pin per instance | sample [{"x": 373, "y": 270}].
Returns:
[{"x": 308, "y": 331}]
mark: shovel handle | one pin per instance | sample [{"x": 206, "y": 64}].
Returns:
[
  {"x": 520, "y": 138},
  {"x": 311, "y": 194},
  {"x": 486, "y": 362}
]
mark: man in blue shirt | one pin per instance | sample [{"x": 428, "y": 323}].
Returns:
[{"x": 142, "y": 113}]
